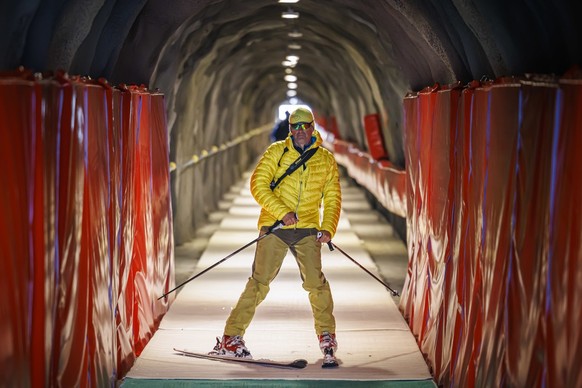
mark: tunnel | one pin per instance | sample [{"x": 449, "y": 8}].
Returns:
[{"x": 124, "y": 123}]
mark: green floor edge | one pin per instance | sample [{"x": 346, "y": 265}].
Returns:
[{"x": 167, "y": 383}]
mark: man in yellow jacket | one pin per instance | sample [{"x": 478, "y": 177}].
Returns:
[{"x": 296, "y": 202}]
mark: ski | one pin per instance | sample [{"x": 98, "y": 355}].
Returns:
[{"x": 297, "y": 364}]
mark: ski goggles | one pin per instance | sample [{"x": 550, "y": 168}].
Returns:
[{"x": 301, "y": 126}]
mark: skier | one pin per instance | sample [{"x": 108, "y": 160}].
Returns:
[
  {"x": 296, "y": 201},
  {"x": 281, "y": 129}
]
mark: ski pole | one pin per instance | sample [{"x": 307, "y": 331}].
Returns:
[
  {"x": 275, "y": 226},
  {"x": 331, "y": 248}
]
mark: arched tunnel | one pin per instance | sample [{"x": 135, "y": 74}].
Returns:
[{"x": 461, "y": 120}]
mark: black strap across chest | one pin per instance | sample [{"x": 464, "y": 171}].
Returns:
[{"x": 295, "y": 165}]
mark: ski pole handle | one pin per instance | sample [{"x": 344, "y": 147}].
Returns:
[
  {"x": 329, "y": 244},
  {"x": 275, "y": 226}
]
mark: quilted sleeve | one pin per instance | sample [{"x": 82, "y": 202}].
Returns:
[
  {"x": 261, "y": 180},
  {"x": 332, "y": 198}
]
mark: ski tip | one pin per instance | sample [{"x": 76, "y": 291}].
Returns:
[{"x": 299, "y": 364}]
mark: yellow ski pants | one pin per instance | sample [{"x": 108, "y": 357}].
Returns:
[{"x": 269, "y": 255}]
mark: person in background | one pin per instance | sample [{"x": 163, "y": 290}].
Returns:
[
  {"x": 296, "y": 203},
  {"x": 281, "y": 129}
]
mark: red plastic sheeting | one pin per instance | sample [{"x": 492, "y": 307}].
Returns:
[
  {"x": 383, "y": 180},
  {"x": 332, "y": 127},
  {"x": 86, "y": 241},
  {"x": 494, "y": 225},
  {"x": 374, "y": 137}
]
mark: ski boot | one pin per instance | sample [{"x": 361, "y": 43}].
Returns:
[
  {"x": 231, "y": 347},
  {"x": 328, "y": 346}
]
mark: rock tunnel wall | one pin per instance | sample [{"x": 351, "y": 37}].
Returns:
[{"x": 198, "y": 183}]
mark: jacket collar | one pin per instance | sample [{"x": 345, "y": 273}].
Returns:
[{"x": 316, "y": 141}]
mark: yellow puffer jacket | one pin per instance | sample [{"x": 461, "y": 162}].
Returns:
[{"x": 302, "y": 192}]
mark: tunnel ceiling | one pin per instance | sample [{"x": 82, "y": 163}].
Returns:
[{"x": 219, "y": 63}]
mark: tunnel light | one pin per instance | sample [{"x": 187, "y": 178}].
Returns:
[
  {"x": 290, "y": 61},
  {"x": 288, "y": 1},
  {"x": 291, "y": 93},
  {"x": 295, "y": 34},
  {"x": 290, "y": 78},
  {"x": 294, "y": 46},
  {"x": 290, "y": 14},
  {"x": 293, "y": 101},
  {"x": 288, "y": 71},
  {"x": 292, "y": 85}
]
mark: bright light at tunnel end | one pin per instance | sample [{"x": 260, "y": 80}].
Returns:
[{"x": 290, "y": 15}]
